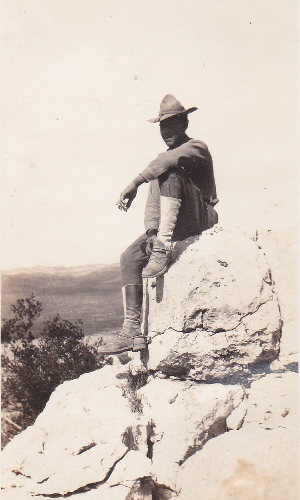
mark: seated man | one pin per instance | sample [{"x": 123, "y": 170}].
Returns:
[{"x": 182, "y": 194}]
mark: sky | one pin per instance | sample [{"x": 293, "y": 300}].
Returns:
[{"x": 80, "y": 80}]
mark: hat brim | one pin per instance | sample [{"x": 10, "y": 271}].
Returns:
[{"x": 171, "y": 115}]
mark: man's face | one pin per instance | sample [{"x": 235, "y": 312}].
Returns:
[{"x": 173, "y": 130}]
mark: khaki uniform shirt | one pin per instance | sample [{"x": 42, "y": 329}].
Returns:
[{"x": 194, "y": 157}]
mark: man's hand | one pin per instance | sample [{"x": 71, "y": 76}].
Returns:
[
  {"x": 126, "y": 197},
  {"x": 149, "y": 244}
]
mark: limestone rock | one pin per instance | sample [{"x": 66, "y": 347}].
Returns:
[
  {"x": 76, "y": 440},
  {"x": 184, "y": 416},
  {"x": 134, "y": 466},
  {"x": 220, "y": 277},
  {"x": 272, "y": 401},
  {"x": 215, "y": 313},
  {"x": 105, "y": 493},
  {"x": 152, "y": 428},
  {"x": 277, "y": 366},
  {"x": 281, "y": 251},
  {"x": 246, "y": 464},
  {"x": 235, "y": 420},
  {"x": 91, "y": 435},
  {"x": 16, "y": 494},
  {"x": 207, "y": 356}
]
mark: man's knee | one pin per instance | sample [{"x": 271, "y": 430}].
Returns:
[
  {"x": 134, "y": 253},
  {"x": 170, "y": 184},
  {"x": 126, "y": 257},
  {"x": 132, "y": 261}
]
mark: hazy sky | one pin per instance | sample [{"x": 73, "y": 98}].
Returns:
[{"x": 82, "y": 77}]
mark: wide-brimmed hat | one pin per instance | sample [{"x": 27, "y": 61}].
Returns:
[{"x": 170, "y": 106}]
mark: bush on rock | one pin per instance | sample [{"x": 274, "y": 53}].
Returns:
[{"x": 34, "y": 367}]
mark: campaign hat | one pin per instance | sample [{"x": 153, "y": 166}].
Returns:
[{"x": 170, "y": 106}]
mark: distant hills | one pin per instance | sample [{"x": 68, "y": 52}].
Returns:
[{"x": 91, "y": 293}]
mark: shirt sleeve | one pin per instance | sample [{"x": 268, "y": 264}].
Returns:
[{"x": 192, "y": 151}]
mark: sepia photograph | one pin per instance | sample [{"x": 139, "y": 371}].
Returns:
[{"x": 149, "y": 249}]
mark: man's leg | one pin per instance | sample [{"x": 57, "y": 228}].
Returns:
[
  {"x": 132, "y": 262},
  {"x": 170, "y": 202},
  {"x": 195, "y": 214}
]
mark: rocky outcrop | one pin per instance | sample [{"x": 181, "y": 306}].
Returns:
[
  {"x": 259, "y": 460},
  {"x": 245, "y": 464},
  {"x": 209, "y": 413},
  {"x": 54, "y": 456},
  {"x": 218, "y": 318},
  {"x": 272, "y": 401},
  {"x": 280, "y": 247},
  {"x": 195, "y": 412},
  {"x": 108, "y": 443}
]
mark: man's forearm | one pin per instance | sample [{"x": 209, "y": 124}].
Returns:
[
  {"x": 191, "y": 150},
  {"x": 137, "y": 181}
]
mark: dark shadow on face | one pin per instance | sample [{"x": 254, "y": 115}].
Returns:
[{"x": 173, "y": 130}]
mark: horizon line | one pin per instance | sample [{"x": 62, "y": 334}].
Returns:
[{"x": 55, "y": 267}]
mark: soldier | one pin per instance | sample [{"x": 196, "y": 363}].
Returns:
[{"x": 181, "y": 197}]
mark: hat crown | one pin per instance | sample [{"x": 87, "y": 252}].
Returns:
[{"x": 170, "y": 105}]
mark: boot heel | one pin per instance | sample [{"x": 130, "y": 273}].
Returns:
[{"x": 139, "y": 343}]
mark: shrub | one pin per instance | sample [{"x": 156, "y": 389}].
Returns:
[
  {"x": 20, "y": 326},
  {"x": 33, "y": 368}
]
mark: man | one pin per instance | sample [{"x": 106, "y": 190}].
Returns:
[{"x": 182, "y": 194}]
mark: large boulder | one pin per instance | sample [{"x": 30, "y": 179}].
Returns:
[
  {"x": 183, "y": 417},
  {"x": 76, "y": 440},
  {"x": 272, "y": 401},
  {"x": 246, "y": 464},
  {"x": 215, "y": 313},
  {"x": 280, "y": 246},
  {"x": 101, "y": 432}
]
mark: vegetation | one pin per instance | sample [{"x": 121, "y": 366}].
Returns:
[
  {"x": 20, "y": 326},
  {"x": 134, "y": 382},
  {"x": 34, "y": 367}
]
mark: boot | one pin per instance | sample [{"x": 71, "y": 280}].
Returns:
[
  {"x": 130, "y": 337},
  {"x": 161, "y": 253}
]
